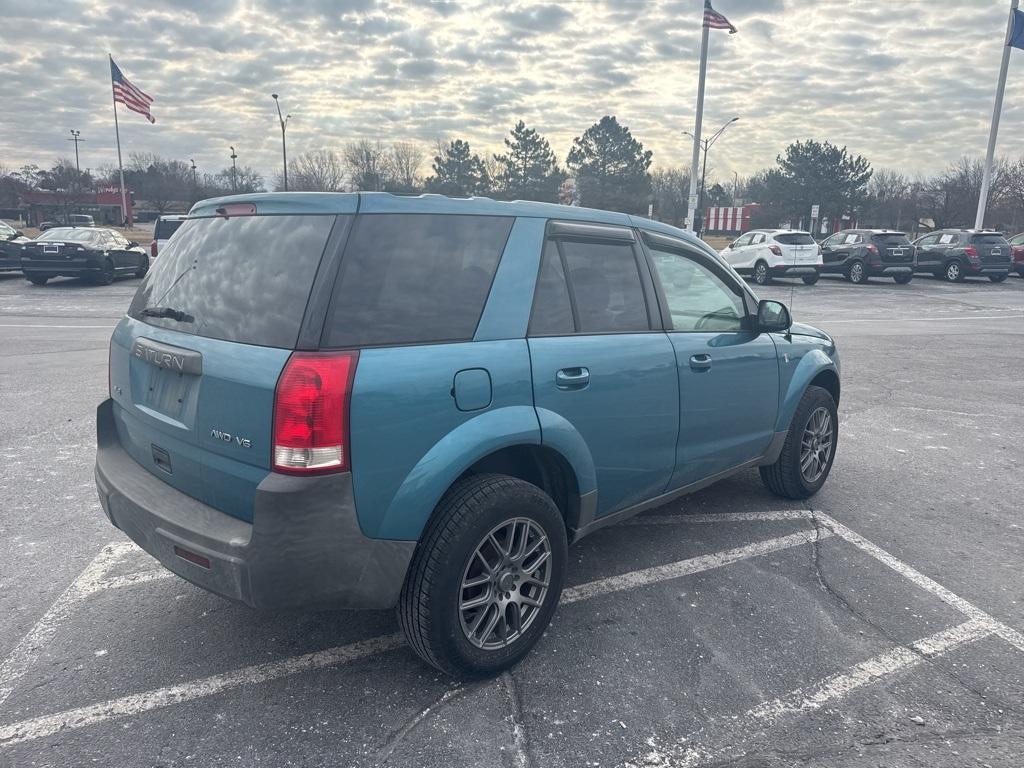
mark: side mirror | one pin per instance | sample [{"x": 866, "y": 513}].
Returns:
[
  {"x": 772, "y": 317},
  {"x": 132, "y": 244}
]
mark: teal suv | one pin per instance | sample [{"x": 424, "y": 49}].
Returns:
[{"x": 369, "y": 401}]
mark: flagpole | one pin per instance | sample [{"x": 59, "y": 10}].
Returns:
[
  {"x": 692, "y": 207},
  {"x": 986, "y": 180},
  {"x": 117, "y": 134}
]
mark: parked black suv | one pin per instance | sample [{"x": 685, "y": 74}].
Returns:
[
  {"x": 862, "y": 253},
  {"x": 958, "y": 253}
]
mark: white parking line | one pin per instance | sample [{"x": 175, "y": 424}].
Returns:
[
  {"x": 46, "y": 325},
  {"x": 1010, "y": 635},
  {"x": 641, "y": 578},
  {"x": 39, "y": 727},
  {"x": 741, "y": 730},
  {"x": 27, "y": 651},
  {"x": 721, "y": 517},
  {"x": 922, "y": 319}
]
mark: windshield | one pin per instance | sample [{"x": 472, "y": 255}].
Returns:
[
  {"x": 6, "y": 230},
  {"x": 71, "y": 235},
  {"x": 244, "y": 279}
]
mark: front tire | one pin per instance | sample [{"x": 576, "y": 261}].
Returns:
[
  {"x": 997, "y": 278},
  {"x": 761, "y": 276},
  {"x": 903, "y": 279},
  {"x": 143, "y": 267},
  {"x": 857, "y": 273},
  {"x": 37, "y": 279},
  {"x": 811, "y": 279},
  {"x": 106, "y": 273},
  {"x": 486, "y": 577},
  {"x": 809, "y": 450}
]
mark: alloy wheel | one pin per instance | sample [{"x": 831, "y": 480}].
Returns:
[
  {"x": 857, "y": 272},
  {"x": 816, "y": 445},
  {"x": 504, "y": 584},
  {"x": 953, "y": 272}
]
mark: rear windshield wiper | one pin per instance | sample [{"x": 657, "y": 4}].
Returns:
[{"x": 168, "y": 312}]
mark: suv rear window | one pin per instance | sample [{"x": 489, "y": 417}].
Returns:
[
  {"x": 244, "y": 279},
  {"x": 414, "y": 279},
  {"x": 795, "y": 239},
  {"x": 889, "y": 240},
  {"x": 989, "y": 240},
  {"x": 165, "y": 228}
]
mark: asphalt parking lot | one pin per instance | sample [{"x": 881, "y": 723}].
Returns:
[{"x": 880, "y": 625}]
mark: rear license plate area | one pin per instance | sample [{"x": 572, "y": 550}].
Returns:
[{"x": 165, "y": 380}]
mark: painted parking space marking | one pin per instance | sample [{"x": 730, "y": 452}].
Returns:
[
  {"x": 40, "y": 727},
  {"x": 687, "y": 753},
  {"x": 88, "y": 582},
  {"x": 684, "y": 753}
]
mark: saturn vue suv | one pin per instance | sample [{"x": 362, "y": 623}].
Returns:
[{"x": 368, "y": 401}]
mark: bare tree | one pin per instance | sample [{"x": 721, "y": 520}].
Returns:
[
  {"x": 320, "y": 170},
  {"x": 367, "y": 164},
  {"x": 404, "y": 163}
]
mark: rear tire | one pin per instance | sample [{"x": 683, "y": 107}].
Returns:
[
  {"x": 954, "y": 273},
  {"x": 856, "y": 273},
  {"x": 106, "y": 274},
  {"x": 761, "y": 276},
  {"x": 811, "y": 279},
  {"x": 903, "y": 279},
  {"x": 476, "y": 511},
  {"x": 997, "y": 278},
  {"x": 37, "y": 279},
  {"x": 789, "y": 477}
]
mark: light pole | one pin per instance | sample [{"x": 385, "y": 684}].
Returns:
[
  {"x": 76, "y": 137},
  {"x": 234, "y": 176},
  {"x": 284, "y": 147},
  {"x": 706, "y": 144},
  {"x": 195, "y": 185}
]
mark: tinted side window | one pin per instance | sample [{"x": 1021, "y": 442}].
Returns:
[
  {"x": 414, "y": 279},
  {"x": 552, "y": 310},
  {"x": 605, "y": 286},
  {"x": 165, "y": 228}
]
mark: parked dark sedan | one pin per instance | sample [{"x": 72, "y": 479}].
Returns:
[
  {"x": 95, "y": 253},
  {"x": 1017, "y": 246},
  {"x": 958, "y": 253},
  {"x": 11, "y": 241},
  {"x": 862, "y": 253}
]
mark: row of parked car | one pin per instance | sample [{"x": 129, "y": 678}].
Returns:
[
  {"x": 98, "y": 254},
  {"x": 859, "y": 254}
]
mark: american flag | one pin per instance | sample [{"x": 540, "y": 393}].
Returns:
[
  {"x": 715, "y": 20},
  {"x": 128, "y": 94}
]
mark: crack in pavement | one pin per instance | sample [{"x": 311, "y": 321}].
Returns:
[
  {"x": 398, "y": 736},
  {"x": 880, "y": 631},
  {"x": 521, "y": 753}
]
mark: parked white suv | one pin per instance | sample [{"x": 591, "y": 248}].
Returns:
[
  {"x": 163, "y": 229},
  {"x": 768, "y": 253}
]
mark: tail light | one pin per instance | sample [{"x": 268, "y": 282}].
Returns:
[
  {"x": 971, "y": 251},
  {"x": 872, "y": 248},
  {"x": 775, "y": 249},
  {"x": 152, "y": 249},
  {"x": 311, "y": 413},
  {"x": 1018, "y": 252}
]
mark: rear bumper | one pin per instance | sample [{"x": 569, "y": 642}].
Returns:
[
  {"x": 890, "y": 270},
  {"x": 60, "y": 268},
  {"x": 304, "y": 547},
  {"x": 784, "y": 270},
  {"x": 985, "y": 270}
]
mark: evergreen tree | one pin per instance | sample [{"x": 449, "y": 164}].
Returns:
[
  {"x": 458, "y": 172},
  {"x": 528, "y": 170},
  {"x": 611, "y": 168}
]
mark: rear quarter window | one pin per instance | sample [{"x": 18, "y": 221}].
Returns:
[
  {"x": 245, "y": 279},
  {"x": 414, "y": 279}
]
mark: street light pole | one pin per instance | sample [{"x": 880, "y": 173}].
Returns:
[
  {"x": 234, "y": 177},
  {"x": 706, "y": 144},
  {"x": 195, "y": 185},
  {"x": 76, "y": 137},
  {"x": 284, "y": 148}
]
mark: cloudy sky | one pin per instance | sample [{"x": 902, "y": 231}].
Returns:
[{"x": 909, "y": 84}]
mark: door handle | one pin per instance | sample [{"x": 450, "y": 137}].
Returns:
[
  {"x": 701, "y": 362},
  {"x": 572, "y": 378}
]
